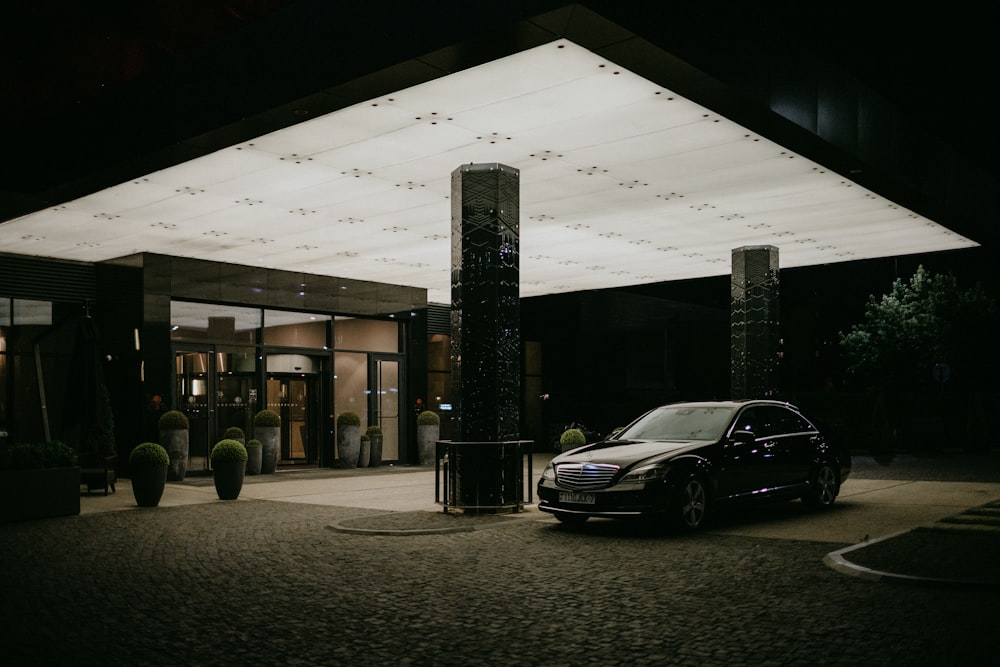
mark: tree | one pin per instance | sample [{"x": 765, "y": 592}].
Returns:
[{"x": 925, "y": 322}]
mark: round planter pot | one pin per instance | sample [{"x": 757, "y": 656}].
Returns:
[
  {"x": 376, "y": 457},
  {"x": 427, "y": 437},
  {"x": 228, "y": 476},
  {"x": 148, "y": 484},
  {"x": 270, "y": 437},
  {"x": 349, "y": 445},
  {"x": 254, "y": 460},
  {"x": 175, "y": 441}
]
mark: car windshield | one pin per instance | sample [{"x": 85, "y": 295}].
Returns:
[{"x": 680, "y": 422}]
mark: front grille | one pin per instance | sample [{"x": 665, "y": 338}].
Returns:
[{"x": 582, "y": 476}]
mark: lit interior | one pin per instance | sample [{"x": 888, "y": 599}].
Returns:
[{"x": 622, "y": 182}]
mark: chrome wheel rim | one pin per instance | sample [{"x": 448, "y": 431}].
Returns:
[
  {"x": 826, "y": 485},
  {"x": 693, "y": 503}
]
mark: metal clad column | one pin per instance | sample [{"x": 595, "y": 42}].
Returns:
[
  {"x": 485, "y": 456},
  {"x": 485, "y": 315},
  {"x": 754, "y": 322}
]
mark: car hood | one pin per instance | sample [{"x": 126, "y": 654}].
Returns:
[{"x": 626, "y": 453}]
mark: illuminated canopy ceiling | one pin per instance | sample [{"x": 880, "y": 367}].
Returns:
[{"x": 623, "y": 182}]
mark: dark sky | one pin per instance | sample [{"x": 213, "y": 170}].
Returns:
[
  {"x": 55, "y": 54},
  {"x": 937, "y": 61}
]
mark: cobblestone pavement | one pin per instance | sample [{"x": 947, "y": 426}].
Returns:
[{"x": 271, "y": 583}]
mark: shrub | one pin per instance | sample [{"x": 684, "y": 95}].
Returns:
[
  {"x": 173, "y": 420},
  {"x": 233, "y": 433},
  {"x": 428, "y": 418},
  {"x": 267, "y": 418},
  {"x": 365, "y": 437},
  {"x": 228, "y": 450},
  {"x": 572, "y": 437},
  {"x": 27, "y": 456},
  {"x": 373, "y": 430},
  {"x": 348, "y": 419},
  {"x": 254, "y": 443},
  {"x": 147, "y": 455}
]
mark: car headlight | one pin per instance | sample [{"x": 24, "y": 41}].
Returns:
[
  {"x": 549, "y": 472},
  {"x": 646, "y": 473}
]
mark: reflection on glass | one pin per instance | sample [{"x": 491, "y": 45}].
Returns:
[
  {"x": 290, "y": 329},
  {"x": 350, "y": 385},
  {"x": 367, "y": 335},
  {"x": 213, "y": 322}
]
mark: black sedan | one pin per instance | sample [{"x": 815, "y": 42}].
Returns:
[{"x": 681, "y": 461}]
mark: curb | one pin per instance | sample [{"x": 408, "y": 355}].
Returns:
[
  {"x": 837, "y": 561},
  {"x": 472, "y": 523}
]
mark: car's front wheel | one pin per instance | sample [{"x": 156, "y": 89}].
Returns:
[
  {"x": 690, "y": 503},
  {"x": 823, "y": 487}
]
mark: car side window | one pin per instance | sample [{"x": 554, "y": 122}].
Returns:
[
  {"x": 754, "y": 420},
  {"x": 770, "y": 420},
  {"x": 788, "y": 421}
]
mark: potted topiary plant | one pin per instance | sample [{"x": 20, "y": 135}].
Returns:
[
  {"x": 148, "y": 465},
  {"x": 234, "y": 433},
  {"x": 229, "y": 464},
  {"x": 174, "y": 438},
  {"x": 570, "y": 438},
  {"x": 254, "y": 448},
  {"x": 428, "y": 433},
  {"x": 267, "y": 429},
  {"x": 374, "y": 433},
  {"x": 349, "y": 439}
]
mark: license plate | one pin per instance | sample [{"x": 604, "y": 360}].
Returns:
[{"x": 580, "y": 498}]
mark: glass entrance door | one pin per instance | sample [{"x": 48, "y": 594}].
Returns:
[
  {"x": 194, "y": 395},
  {"x": 296, "y": 397},
  {"x": 384, "y": 396}
]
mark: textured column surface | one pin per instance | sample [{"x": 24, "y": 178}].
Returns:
[
  {"x": 485, "y": 315},
  {"x": 754, "y": 322}
]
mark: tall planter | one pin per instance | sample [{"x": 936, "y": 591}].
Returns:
[
  {"x": 176, "y": 443},
  {"x": 174, "y": 426},
  {"x": 349, "y": 439},
  {"x": 267, "y": 429},
  {"x": 428, "y": 433},
  {"x": 376, "y": 453},
  {"x": 365, "y": 452},
  {"x": 270, "y": 439},
  {"x": 254, "y": 457}
]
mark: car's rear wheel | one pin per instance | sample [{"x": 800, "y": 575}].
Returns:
[
  {"x": 823, "y": 487},
  {"x": 690, "y": 503},
  {"x": 571, "y": 519}
]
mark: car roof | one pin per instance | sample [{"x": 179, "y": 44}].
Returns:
[{"x": 730, "y": 403}]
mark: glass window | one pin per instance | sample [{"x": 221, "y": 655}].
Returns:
[
  {"x": 4, "y": 312},
  {"x": 32, "y": 312},
  {"x": 213, "y": 322},
  {"x": 290, "y": 329},
  {"x": 367, "y": 335}
]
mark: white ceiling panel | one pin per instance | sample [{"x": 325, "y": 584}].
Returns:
[{"x": 621, "y": 182}]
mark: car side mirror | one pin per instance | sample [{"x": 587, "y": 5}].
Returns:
[{"x": 744, "y": 437}]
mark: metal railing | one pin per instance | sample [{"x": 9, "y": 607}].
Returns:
[{"x": 485, "y": 477}]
